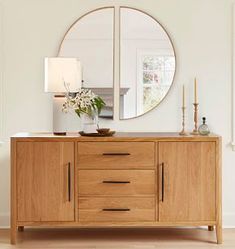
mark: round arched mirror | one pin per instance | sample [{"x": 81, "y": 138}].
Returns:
[
  {"x": 147, "y": 58},
  {"x": 147, "y": 63},
  {"x": 91, "y": 39}
]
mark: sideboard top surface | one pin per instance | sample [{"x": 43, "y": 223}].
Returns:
[{"x": 119, "y": 136}]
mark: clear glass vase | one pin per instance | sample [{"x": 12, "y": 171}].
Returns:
[{"x": 89, "y": 123}]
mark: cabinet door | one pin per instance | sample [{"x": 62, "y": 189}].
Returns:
[
  {"x": 45, "y": 179},
  {"x": 187, "y": 181}
]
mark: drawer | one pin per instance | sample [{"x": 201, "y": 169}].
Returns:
[
  {"x": 116, "y": 209},
  {"x": 113, "y": 155},
  {"x": 116, "y": 182}
]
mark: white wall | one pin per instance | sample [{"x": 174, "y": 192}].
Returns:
[{"x": 201, "y": 33}]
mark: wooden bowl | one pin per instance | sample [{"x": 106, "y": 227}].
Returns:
[{"x": 103, "y": 131}]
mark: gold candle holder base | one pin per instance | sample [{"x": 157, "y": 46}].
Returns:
[
  {"x": 195, "y": 130},
  {"x": 183, "y": 132},
  {"x": 194, "y": 133}
]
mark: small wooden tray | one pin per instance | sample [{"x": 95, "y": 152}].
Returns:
[{"x": 109, "y": 134}]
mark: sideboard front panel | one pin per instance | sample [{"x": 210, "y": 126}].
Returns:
[
  {"x": 45, "y": 185},
  {"x": 189, "y": 181},
  {"x": 115, "y": 155}
]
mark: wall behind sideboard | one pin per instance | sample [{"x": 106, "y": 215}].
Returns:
[{"x": 201, "y": 33}]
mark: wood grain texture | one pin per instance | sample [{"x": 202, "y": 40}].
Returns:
[
  {"x": 192, "y": 180},
  {"x": 189, "y": 181},
  {"x": 13, "y": 192},
  {"x": 141, "y": 209},
  {"x": 142, "y": 182},
  {"x": 90, "y": 155},
  {"x": 42, "y": 181},
  {"x": 119, "y": 136}
]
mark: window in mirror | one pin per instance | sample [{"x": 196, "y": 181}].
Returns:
[
  {"x": 155, "y": 72},
  {"x": 147, "y": 63}
]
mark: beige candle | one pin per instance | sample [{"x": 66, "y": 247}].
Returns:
[
  {"x": 183, "y": 96},
  {"x": 195, "y": 90}
]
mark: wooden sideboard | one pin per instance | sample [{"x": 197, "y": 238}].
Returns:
[{"x": 128, "y": 180}]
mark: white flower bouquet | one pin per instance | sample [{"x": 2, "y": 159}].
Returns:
[{"x": 83, "y": 102}]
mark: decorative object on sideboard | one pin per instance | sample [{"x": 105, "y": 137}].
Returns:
[
  {"x": 183, "y": 132},
  {"x": 87, "y": 106},
  {"x": 61, "y": 74},
  {"x": 97, "y": 134},
  {"x": 195, "y": 130},
  {"x": 103, "y": 130},
  {"x": 203, "y": 128}
]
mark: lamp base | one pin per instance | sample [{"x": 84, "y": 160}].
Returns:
[{"x": 59, "y": 133}]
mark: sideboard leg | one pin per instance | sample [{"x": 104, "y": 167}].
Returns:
[
  {"x": 219, "y": 234},
  {"x": 210, "y": 228},
  {"x": 13, "y": 235},
  {"x": 21, "y": 228}
]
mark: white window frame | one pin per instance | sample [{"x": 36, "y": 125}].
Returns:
[{"x": 139, "y": 68}]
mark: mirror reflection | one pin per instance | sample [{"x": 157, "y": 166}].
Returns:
[
  {"x": 147, "y": 63},
  {"x": 90, "y": 40}
]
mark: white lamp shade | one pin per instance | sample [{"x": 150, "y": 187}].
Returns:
[{"x": 61, "y": 71}]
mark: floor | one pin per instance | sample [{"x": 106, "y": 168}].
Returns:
[{"x": 117, "y": 239}]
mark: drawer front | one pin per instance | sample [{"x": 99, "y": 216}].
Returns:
[
  {"x": 116, "y": 182},
  {"x": 117, "y": 209},
  {"x": 113, "y": 155}
]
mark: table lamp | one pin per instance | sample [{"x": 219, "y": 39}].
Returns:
[{"x": 61, "y": 75}]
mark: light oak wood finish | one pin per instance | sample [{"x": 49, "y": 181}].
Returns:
[
  {"x": 189, "y": 181},
  {"x": 136, "y": 182},
  {"x": 192, "y": 181},
  {"x": 114, "y": 209},
  {"x": 42, "y": 181},
  {"x": 115, "y": 155}
]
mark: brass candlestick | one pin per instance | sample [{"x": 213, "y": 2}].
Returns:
[
  {"x": 183, "y": 132},
  {"x": 195, "y": 130}
]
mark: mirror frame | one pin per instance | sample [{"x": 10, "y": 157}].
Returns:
[
  {"x": 171, "y": 42},
  {"x": 113, "y": 44},
  {"x": 118, "y": 54}
]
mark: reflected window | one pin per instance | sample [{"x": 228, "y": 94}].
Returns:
[
  {"x": 147, "y": 63},
  {"x": 157, "y": 72}
]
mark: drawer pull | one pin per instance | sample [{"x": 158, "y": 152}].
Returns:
[
  {"x": 116, "y": 154},
  {"x": 117, "y": 182},
  {"x": 116, "y": 209}
]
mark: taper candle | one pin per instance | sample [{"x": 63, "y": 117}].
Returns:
[
  {"x": 195, "y": 90},
  {"x": 183, "y": 96}
]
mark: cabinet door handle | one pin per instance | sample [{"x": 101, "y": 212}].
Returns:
[
  {"x": 116, "y": 209},
  {"x": 163, "y": 182},
  {"x": 69, "y": 181},
  {"x": 117, "y": 182},
  {"x": 116, "y": 154}
]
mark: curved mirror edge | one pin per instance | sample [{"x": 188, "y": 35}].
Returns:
[
  {"x": 147, "y": 63},
  {"x": 95, "y": 51}
]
